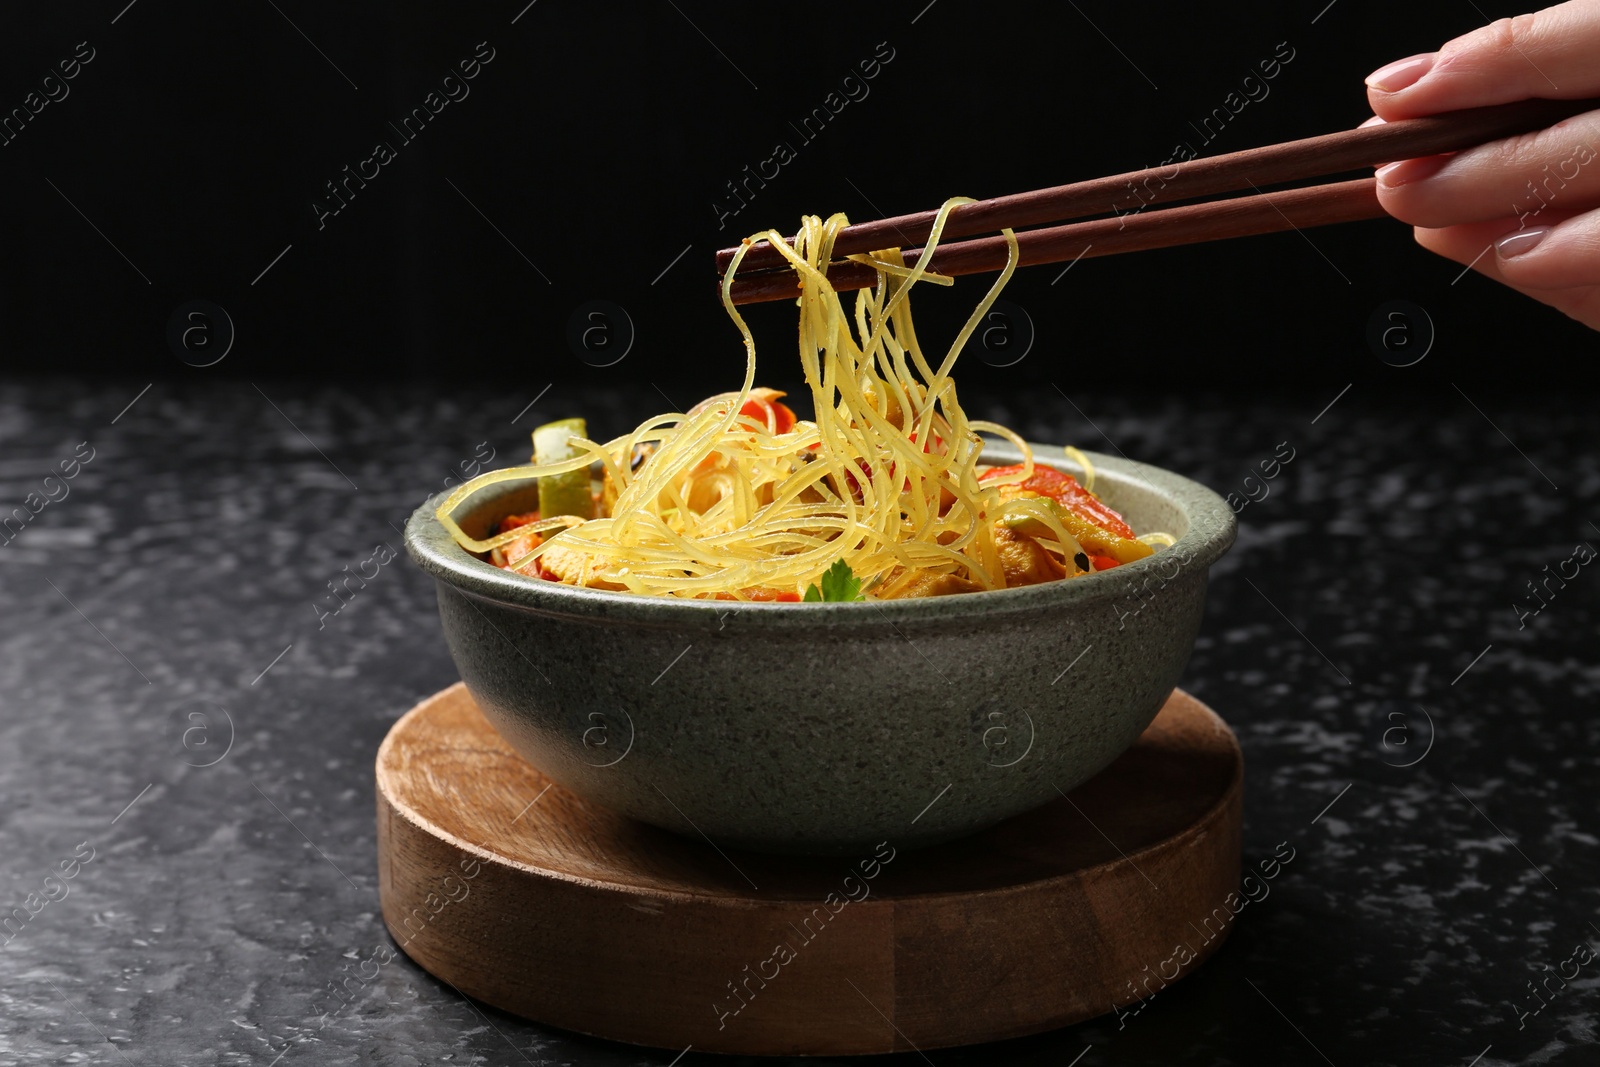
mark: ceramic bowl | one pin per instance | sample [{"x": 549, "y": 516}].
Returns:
[{"x": 828, "y": 728}]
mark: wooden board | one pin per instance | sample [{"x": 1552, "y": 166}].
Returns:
[{"x": 518, "y": 893}]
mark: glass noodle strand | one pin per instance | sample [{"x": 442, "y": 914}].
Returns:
[{"x": 885, "y": 476}]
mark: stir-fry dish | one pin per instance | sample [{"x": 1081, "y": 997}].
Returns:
[{"x": 883, "y": 495}]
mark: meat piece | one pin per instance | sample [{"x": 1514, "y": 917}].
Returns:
[
  {"x": 562, "y": 564},
  {"x": 1025, "y": 561},
  {"x": 934, "y": 583}
]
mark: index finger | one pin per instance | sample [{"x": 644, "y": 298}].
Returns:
[{"x": 1549, "y": 53}]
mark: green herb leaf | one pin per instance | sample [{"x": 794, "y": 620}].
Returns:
[{"x": 839, "y": 583}]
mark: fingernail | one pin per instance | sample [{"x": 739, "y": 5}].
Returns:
[
  {"x": 1519, "y": 244},
  {"x": 1401, "y": 74},
  {"x": 1373, "y": 121},
  {"x": 1394, "y": 175}
]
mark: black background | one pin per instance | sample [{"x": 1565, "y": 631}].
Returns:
[
  {"x": 600, "y": 137},
  {"x": 1383, "y": 575}
]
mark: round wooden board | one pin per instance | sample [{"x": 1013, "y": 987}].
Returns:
[{"x": 522, "y": 895}]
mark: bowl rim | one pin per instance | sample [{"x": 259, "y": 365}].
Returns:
[{"x": 1212, "y": 528}]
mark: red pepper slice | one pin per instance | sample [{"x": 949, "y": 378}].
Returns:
[
  {"x": 1065, "y": 490},
  {"x": 773, "y": 413},
  {"x": 511, "y": 522}
]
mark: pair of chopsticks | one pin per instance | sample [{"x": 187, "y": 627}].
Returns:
[{"x": 765, "y": 276}]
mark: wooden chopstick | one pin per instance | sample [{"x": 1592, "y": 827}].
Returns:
[
  {"x": 1310, "y": 157},
  {"x": 1284, "y": 209}
]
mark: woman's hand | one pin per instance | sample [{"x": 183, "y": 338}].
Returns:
[{"x": 1524, "y": 211}]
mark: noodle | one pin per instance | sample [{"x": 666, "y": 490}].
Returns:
[{"x": 886, "y": 477}]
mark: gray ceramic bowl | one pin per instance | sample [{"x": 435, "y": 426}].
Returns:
[{"x": 827, "y": 728}]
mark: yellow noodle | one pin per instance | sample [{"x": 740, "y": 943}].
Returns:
[{"x": 724, "y": 505}]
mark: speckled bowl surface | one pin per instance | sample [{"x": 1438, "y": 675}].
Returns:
[{"x": 827, "y": 728}]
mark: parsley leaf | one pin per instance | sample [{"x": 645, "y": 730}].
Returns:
[{"x": 839, "y": 582}]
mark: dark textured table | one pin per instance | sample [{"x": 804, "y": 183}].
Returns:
[{"x": 187, "y": 729}]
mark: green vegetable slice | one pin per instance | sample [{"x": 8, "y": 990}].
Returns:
[
  {"x": 569, "y": 493},
  {"x": 839, "y": 582}
]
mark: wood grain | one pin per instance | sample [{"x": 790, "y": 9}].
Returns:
[
  {"x": 527, "y": 897},
  {"x": 1213, "y": 220},
  {"x": 1310, "y": 157}
]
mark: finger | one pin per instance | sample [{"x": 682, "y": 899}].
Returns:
[
  {"x": 1519, "y": 176},
  {"x": 1552, "y": 257},
  {"x": 1549, "y": 53},
  {"x": 1474, "y": 245},
  {"x": 1470, "y": 244}
]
